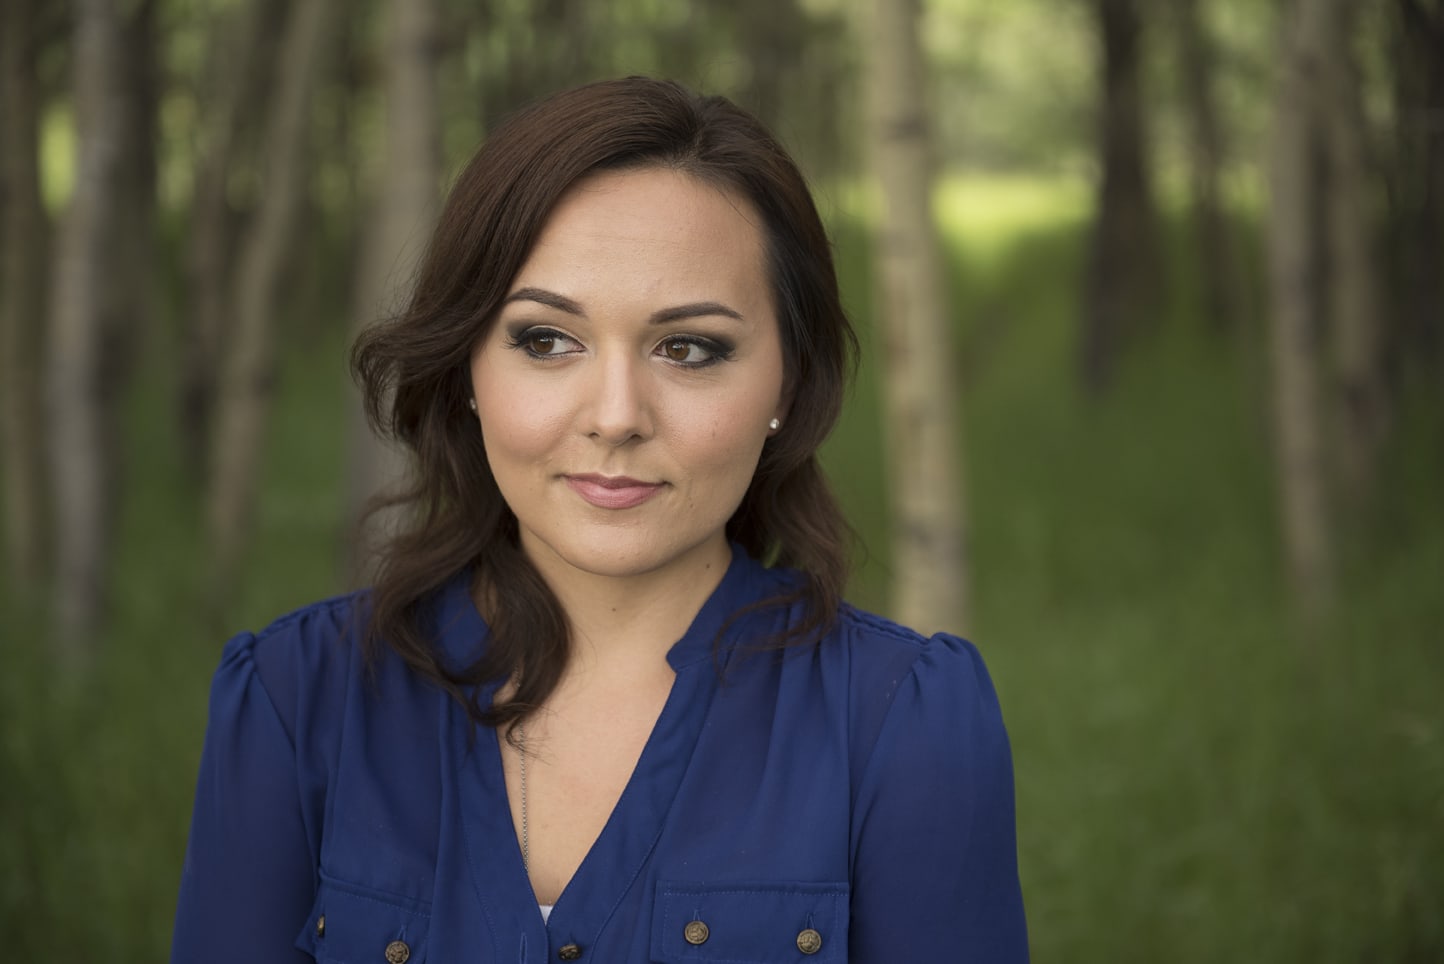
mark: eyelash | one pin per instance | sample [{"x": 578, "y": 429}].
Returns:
[
  {"x": 522, "y": 341},
  {"x": 716, "y": 349}
]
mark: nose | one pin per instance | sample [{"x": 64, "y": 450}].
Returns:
[{"x": 618, "y": 408}]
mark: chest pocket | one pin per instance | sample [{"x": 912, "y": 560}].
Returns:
[
  {"x": 750, "y": 923},
  {"x": 354, "y": 925}
]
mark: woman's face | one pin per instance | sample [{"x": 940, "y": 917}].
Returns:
[{"x": 626, "y": 388}]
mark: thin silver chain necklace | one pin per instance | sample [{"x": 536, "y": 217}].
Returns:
[{"x": 521, "y": 757}]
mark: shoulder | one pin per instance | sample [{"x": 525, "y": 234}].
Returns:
[
  {"x": 881, "y": 649},
  {"x": 930, "y": 692},
  {"x": 299, "y": 660},
  {"x": 308, "y": 640}
]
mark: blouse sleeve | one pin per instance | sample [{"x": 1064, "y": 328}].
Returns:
[
  {"x": 249, "y": 876},
  {"x": 935, "y": 873}
]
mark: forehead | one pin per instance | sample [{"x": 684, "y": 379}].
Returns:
[{"x": 649, "y": 226}]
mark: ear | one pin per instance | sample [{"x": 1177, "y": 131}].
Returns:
[{"x": 784, "y": 404}]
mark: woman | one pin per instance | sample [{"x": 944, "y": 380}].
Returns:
[{"x": 603, "y": 702}]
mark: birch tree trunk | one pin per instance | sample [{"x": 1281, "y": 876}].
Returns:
[
  {"x": 23, "y": 245},
  {"x": 83, "y": 282},
  {"x": 1298, "y": 304},
  {"x": 403, "y": 215},
  {"x": 248, "y": 374},
  {"x": 1356, "y": 314},
  {"x": 929, "y": 548}
]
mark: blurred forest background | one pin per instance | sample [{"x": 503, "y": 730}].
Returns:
[{"x": 1191, "y": 266}]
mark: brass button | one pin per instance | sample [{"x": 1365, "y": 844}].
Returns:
[
  {"x": 321, "y": 926},
  {"x": 696, "y": 932},
  {"x": 397, "y": 952},
  {"x": 809, "y": 941},
  {"x": 569, "y": 952}
]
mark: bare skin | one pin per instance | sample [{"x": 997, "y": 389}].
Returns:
[
  {"x": 585, "y": 742},
  {"x": 584, "y": 746}
]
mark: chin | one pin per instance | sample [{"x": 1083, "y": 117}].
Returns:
[{"x": 619, "y": 554}]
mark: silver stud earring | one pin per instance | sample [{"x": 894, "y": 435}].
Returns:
[
  {"x": 775, "y": 424},
  {"x": 471, "y": 402}
]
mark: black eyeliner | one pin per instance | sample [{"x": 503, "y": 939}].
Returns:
[
  {"x": 520, "y": 336},
  {"x": 720, "y": 349}
]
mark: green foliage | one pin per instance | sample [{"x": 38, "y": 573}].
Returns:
[
  {"x": 1013, "y": 83},
  {"x": 1198, "y": 780}
]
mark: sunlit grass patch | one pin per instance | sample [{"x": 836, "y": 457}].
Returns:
[{"x": 985, "y": 212}]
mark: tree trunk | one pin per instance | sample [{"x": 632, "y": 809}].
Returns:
[
  {"x": 1356, "y": 314},
  {"x": 929, "y": 557},
  {"x": 84, "y": 281},
  {"x": 1212, "y": 251},
  {"x": 131, "y": 318},
  {"x": 243, "y": 54},
  {"x": 22, "y": 300},
  {"x": 402, "y": 219},
  {"x": 1122, "y": 286},
  {"x": 248, "y": 372},
  {"x": 540, "y": 47},
  {"x": 1297, "y": 287},
  {"x": 772, "y": 38},
  {"x": 135, "y": 235},
  {"x": 1418, "y": 186}
]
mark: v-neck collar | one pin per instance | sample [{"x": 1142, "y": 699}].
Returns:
[{"x": 619, "y": 855}]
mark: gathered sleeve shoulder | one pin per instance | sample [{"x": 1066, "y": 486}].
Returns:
[
  {"x": 251, "y": 861},
  {"x": 935, "y": 873}
]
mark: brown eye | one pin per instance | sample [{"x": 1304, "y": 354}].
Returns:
[
  {"x": 693, "y": 351},
  {"x": 543, "y": 343}
]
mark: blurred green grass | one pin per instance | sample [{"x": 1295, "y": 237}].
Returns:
[{"x": 1196, "y": 778}]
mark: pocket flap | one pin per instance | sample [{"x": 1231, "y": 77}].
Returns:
[
  {"x": 750, "y": 923},
  {"x": 354, "y": 925}
]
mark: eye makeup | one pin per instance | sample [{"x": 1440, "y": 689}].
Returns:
[
  {"x": 714, "y": 349},
  {"x": 683, "y": 350},
  {"x": 538, "y": 341}
]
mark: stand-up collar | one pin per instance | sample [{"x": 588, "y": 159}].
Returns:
[{"x": 461, "y": 631}]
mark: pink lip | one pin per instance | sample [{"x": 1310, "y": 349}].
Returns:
[{"x": 612, "y": 492}]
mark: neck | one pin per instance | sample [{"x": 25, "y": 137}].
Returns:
[{"x": 626, "y": 620}]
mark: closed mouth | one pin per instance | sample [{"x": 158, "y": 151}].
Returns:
[
  {"x": 612, "y": 481},
  {"x": 612, "y": 491}
]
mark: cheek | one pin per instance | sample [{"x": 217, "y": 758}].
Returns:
[
  {"x": 511, "y": 438},
  {"x": 518, "y": 428},
  {"x": 726, "y": 443},
  {"x": 515, "y": 423}
]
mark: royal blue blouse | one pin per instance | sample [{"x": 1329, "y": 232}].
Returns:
[{"x": 848, "y": 801}]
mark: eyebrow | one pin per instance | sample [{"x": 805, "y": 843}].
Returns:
[
  {"x": 549, "y": 298},
  {"x": 696, "y": 309}
]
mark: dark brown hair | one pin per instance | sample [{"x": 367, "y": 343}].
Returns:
[{"x": 414, "y": 371}]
